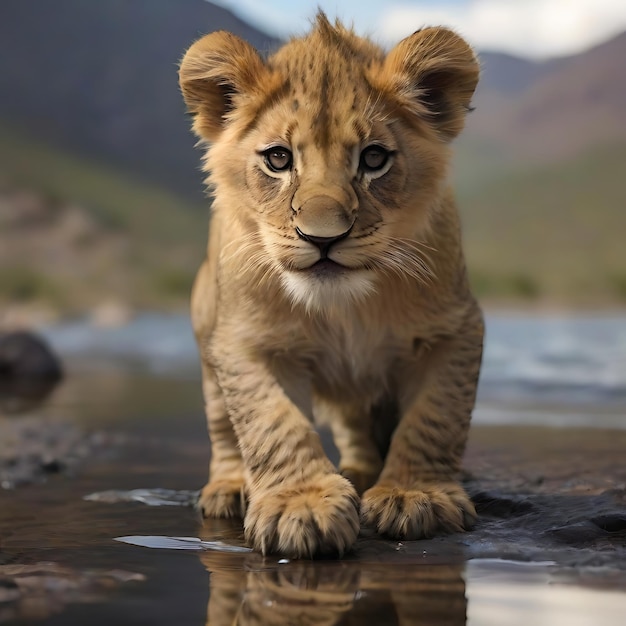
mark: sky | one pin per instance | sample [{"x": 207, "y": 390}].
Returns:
[{"x": 535, "y": 29}]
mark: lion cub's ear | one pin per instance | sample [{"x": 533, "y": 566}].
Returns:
[
  {"x": 433, "y": 74},
  {"x": 218, "y": 74}
]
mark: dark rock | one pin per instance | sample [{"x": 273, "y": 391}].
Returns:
[
  {"x": 23, "y": 355},
  {"x": 29, "y": 371},
  {"x": 611, "y": 523},
  {"x": 52, "y": 466},
  {"x": 491, "y": 504}
]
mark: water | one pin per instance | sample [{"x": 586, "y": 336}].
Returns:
[
  {"x": 569, "y": 359},
  {"x": 558, "y": 359},
  {"x": 550, "y": 547}
]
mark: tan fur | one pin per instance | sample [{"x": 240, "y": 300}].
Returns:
[
  {"x": 385, "y": 343},
  {"x": 245, "y": 590}
]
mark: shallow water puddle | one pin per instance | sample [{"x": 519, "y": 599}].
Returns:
[
  {"x": 151, "y": 497},
  {"x": 384, "y": 591},
  {"x": 180, "y": 543},
  {"x": 517, "y": 594},
  {"x": 535, "y": 504}
]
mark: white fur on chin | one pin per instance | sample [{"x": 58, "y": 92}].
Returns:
[{"x": 320, "y": 294}]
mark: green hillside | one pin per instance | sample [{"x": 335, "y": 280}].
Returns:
[
  {"x": 120, "y": 201},
  {"x": 552, "y": 234},
  {"x": 142, "y": 247},
  {"x": 555, "y": 232}
]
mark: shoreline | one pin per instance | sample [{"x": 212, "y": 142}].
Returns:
[{"x": 114, "y": 314}]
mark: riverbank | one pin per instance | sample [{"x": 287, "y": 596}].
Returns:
[
  {"x": 552, "y": 528},
  {"x": 543, "y": 465}
]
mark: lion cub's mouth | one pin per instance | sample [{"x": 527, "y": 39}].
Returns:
[{"x": 325, "y": 268}]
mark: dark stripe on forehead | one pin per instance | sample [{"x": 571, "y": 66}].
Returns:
[
  {"x": 329, "y": 86},
  {"x": 321, "y": 121}
]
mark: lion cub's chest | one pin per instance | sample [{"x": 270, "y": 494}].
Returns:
[{"x": 349, "y": 359}]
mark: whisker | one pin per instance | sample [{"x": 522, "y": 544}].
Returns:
[{"x": 405, "y": 258}]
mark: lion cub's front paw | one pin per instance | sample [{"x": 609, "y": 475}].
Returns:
[
  {"x": 319, "y": 517},
  {"x": 417, "y": 513},
  {"x": 222, "y": 498}
]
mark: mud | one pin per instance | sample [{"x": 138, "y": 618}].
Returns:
[
  {"x": 38, "y": 591},
  {"x": 537, "y": 501},
  {"x": 548, "y": 494},
  {"x": 552, "y": 520},
  {"x": 36, "y": 448}
]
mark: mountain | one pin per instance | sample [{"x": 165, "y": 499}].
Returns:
[
  {"x": 507, "y": 74},
  {"x": 90, "y": 112},
  {"x": 552, "y": 232},
  {"x": 78, "y": 237},
  {"x": 552, "y": 110},
  {"x": 100, "y": 79},
  {"x": 539, "y": 174}
]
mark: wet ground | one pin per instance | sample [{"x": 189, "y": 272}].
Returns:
[{"x": 550, "y": 546}]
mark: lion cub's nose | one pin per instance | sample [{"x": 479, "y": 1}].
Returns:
[
  {"x": 323, "y": 243},
  {"x": 323, "y": 221}
]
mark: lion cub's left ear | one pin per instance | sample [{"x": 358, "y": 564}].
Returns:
[
  {"x": 432, "y": 74},
  {"x": 218, "y": 74}
]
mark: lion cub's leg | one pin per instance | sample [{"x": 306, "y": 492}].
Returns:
[
  {"x": 223, "y": 495},
  {"x": 418, "y": 494},
  {"x": 297, "y": 503},
  {"x": 360, "y": 460}
]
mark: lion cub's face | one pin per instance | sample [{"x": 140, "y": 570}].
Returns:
[{"x": 331, "y": 155}]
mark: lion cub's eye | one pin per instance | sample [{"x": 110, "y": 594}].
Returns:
[
  {"x": 278, "y": 159},
  {"x": 374, "y": 158}
]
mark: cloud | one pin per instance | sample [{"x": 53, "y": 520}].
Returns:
[
  {"x": 533, "y": 28},
  {"x": 285, "y": 17}
]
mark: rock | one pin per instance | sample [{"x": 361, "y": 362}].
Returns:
[
  {"x": 29, "y": 371},
  {"x": 23, "y": 355}
]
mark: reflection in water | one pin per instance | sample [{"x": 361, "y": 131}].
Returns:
[
  {"x": 329, "y": 593},
  {"x": 29, "y": 371},
  {"x": 248, "y": 589},
  {"x": 535, "y": 504},
  {"x": 180, "y": 543},
  {"x": 151, "y": 497},
  {"x": 20, "y": 396},
  {"x": 30, "y": 592}
]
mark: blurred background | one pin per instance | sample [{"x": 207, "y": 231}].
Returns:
[
  {"x": 103, "y": 223},
  {"x": 103, "y": 217}
]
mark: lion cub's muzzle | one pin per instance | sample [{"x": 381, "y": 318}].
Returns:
[
  {"x": 323, "y": 243},
  {"x": 323, "y": 221}
]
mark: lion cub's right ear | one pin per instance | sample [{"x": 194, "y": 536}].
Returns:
[
  {"x": 217, "y": 75},
  {"x": 433, "y": 74}
]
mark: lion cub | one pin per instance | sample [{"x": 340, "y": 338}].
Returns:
[{"x": 334, "y": 286}]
